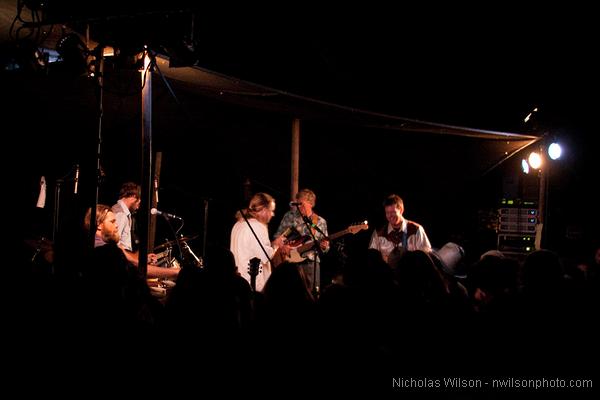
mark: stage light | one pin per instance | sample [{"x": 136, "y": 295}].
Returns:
[
  {"x": 554, "y": 151},
  {"x": 535, "y": 160},
  {"x": 525, "y": 166}
]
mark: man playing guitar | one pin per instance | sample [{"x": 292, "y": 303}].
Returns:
[{"x": 304, "y": 225}]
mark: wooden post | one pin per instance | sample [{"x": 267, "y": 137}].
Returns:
[{"x": 295, "y": 157}]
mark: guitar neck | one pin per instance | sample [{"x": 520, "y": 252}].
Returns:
[{"x": 338, "y": 234}]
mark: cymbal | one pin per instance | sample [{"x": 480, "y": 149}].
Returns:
[{"x": 174, "y": 242}]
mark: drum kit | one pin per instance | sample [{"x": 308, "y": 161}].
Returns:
[
  {"x": 170, "y": 243},
  {"x": 186, "y": 252},
  {"x": 166, "y": 258}
]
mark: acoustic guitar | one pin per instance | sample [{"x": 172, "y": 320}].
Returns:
[{"x": 254, "y": 268}]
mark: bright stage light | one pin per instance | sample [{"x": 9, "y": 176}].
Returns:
[
  {"x": 554, "y": 151},
  {"x": 535, "y": 160}
]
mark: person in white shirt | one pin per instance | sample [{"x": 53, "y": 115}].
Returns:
[
  {"x": 399, "y": 234},
  {"x": 246, "y": 246},
  {"x": 129, "y": 203}
]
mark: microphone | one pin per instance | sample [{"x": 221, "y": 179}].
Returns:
[
  {"x": 295, "y": 203},
  {"x": 154, "y": 211},
  {"x": 76, "y": 178}
]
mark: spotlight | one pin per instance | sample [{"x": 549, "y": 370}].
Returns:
[
  {"x": 554, "y": 151},
  {"x": 525, "y": 166},
  {"x": 535, "y": 160}
]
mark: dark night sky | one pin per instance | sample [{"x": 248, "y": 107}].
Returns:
[{"x": 486, "y": 71}]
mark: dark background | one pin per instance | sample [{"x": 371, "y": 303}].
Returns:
[{"x": 483, "y": 69}]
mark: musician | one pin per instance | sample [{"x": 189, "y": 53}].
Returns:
[
  {"x": 128, "y": 203},
  {"x": 297, "y": 222},
  {"x": 117, "y": 292},
  {"x": 245, "y": 245},
  {"x": 399, "y": 234}
]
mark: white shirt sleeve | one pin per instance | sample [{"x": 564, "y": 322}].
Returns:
[{"x": 420, "y": 241}]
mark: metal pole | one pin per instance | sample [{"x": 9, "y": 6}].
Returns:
[{"x": 146, "y": 182}]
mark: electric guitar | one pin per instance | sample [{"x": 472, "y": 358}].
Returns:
[{"x": 296, "y": 253}]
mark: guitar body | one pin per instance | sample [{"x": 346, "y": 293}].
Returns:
[{"x": 296, "y": 251}]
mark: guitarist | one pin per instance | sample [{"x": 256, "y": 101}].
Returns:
[
  {"x": 129, "y": 202},
  {"x": 399, "y": 234},
  {"x": 250, "y": 238},
  {"x": 297, "y": 219}
]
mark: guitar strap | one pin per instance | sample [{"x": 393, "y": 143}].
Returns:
[
  {"x": 315, "y": 219},
  {"x": 312, "y": 221},
  {"x": 255, "y": 236}
]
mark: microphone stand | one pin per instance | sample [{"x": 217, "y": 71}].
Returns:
[
  {"x": 316, "y": 248},
  {"x": 175, "y": 233},
  {"x": 56, "y": 211},
  {"x": 189, "y": 253}
]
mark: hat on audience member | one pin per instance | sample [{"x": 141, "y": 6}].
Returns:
[{"x": 451, "y": 255}]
